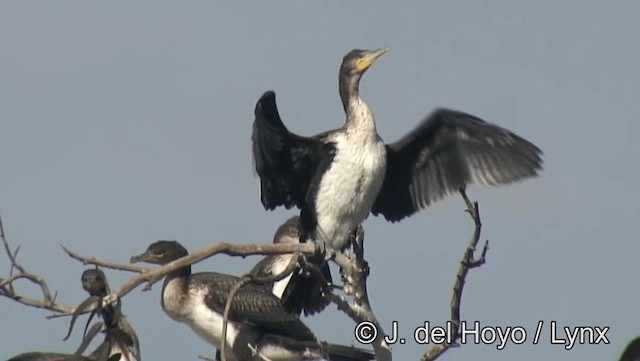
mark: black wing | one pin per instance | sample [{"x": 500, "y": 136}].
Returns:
[
  {"x": 253, "y": 304},
  {"x": 284, "y": 161},
  {"x": 448, "y": 150}
]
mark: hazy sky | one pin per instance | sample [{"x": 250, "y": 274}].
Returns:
[{"x": 122, "y": 123}]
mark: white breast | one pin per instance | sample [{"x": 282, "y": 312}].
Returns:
[
  {"x": 208, "y": 325},
  {"x": 192, "y": 311},
  {"x": 349, "y": 187},
  {"x": 278, "y": 267}
]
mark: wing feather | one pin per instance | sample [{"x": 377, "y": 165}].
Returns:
[
  {"x": 253, "y": 304},
  {"x": 284, "y": 161},
  {"x": 450, "y": 149}
]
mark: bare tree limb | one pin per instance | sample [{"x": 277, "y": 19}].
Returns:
[
  {"x": 19, "y": 272},
  {"x": 467, "y": 263},
  {"x": 355, "y": 274},
  {"x": 98, "y": 262},
  {"x": 354, "y": 271},
  {"x": 151, "y": 276}
]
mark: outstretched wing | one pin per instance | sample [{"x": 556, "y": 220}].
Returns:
[
  {"x": 253, "y": 304},
  {"x": 450, "y": 149},
  {"x": 284, "y": 161}
]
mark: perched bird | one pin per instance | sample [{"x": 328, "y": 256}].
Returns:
[
  {"x": 121, "y": 337},
  {"x": 120, "y": 342},
  {"x": 258, "y": 326},
  {"x": 308, "y": 296},
  {"x": 632, "y": 351},
  {"x": 338, "y": 177}
]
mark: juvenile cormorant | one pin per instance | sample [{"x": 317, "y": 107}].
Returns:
[
  {"x": 338, "y": 177},
  {"x": 256, "y": 319},
  {"x": 120, "y": 342},
  {"x": 306, "y": 296}
]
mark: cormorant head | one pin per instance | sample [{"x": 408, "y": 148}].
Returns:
[
  {"x": 95, "y": 282},
  {"x": 357, "y": 61},
  {"x": 288, "y": 232},
  {"x": 161, "y": 252}
]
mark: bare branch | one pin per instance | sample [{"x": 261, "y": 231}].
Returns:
[
  {"x": 151, "y": 276},
  {"x": 467, "y": 263},
  {"x": 98, "y": 262},
  {"x": 355, "y": 274},
  {"x": 19, "y": 272}
]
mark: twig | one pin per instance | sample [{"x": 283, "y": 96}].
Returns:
[
  {"x": 7, "y": 288},
  {"x": 467, "y": 263},
  {"x": 98, "y": 262}
]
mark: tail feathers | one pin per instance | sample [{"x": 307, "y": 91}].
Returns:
[
  {"x": 304, "y": 292},
  {"x": 348, "y": 353}
]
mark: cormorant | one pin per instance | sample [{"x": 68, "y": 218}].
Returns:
[
  {"x": 308, "y": 297},
  {"x": 257, "y": 321},
  {"x": 632, "y": 351},
  {"x": 120, "y": 342},
  {"x": 338, "y": 177}
]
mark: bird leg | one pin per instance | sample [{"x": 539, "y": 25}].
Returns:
[
  {"x": 310, "y": 269},
  {"x": 357, "y": 242},
  {"x": 321, "y": 249},
  {"x": 360, "y": 271}
]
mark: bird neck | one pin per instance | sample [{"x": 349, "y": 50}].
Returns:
[
  {"x": 349, "y": 89},
  {"x": 359, "y": 117},
  {"x": 177, "y": 280}
]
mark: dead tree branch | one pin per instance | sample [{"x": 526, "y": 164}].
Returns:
[
  {"x": 354, "y": 270},
  {"x": 151, "y": 276},
  {"x": 18, "y": 272},
  {"x": 467, "y": 263},
  {"x": 98, "y": 262}
]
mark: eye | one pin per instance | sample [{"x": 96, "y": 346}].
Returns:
[{"x": 160, "y": 254}]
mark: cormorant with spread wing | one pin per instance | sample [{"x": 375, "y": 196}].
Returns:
[
  {"x": 258, "y": 328},
  {"x": 338, "y": 177}
]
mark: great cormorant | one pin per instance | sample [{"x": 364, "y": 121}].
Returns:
[
  {"x": 306, "y": 296},
  {"x": 338, "y": 177},
  {"x": 120, "y": 342},
  {"x": 258, "y": 324}
]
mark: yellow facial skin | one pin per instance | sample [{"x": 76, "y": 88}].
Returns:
[{"x": 365, "y": 62}]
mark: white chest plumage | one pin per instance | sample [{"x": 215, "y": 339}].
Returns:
[
  {"x": 279, "y": 265},
  {"x": 191, "y": 310},
  {"x": 351, "y": 184}
]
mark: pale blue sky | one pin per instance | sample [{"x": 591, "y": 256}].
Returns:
[{"x": 123, "y": 123}]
